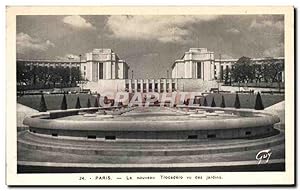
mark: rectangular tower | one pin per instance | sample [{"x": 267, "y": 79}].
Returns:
[
  {"x": 104, "y": 64},
  {"x": 197, "y": 63}
]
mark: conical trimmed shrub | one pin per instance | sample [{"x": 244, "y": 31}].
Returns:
[
  {"x": 112, "y": 103},
  {"x": 88, "y": 103},
  {"x": 205, "y": 102},
  {"x": 96, "y": 104},
  {"x": 213, "y": 103},
  {"x": 237, "y": 103},
  {"x": 223, "y": 102},
  {"x": 43, "y": 106},
  {"x": 258, "y": 102},
  {"x": 77, "y": 106},
  {"x": 64, "y": 104},
  {"x": 187, "y": 101},
  {"x": 98, "y": 98}
]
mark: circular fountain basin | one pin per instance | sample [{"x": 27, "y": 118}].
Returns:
[{"x": 155, "y": 123}]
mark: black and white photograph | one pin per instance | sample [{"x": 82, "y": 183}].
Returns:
[{"x": 140, "y": 97}]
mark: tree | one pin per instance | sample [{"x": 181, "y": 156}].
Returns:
[
  {"x": 258, "y": 102},
  {"x": 66, "y": 76},
  {"x": 250, "y": 73},
  {"x": 42, "y": 75},
  {"x": 205, "y": 102},
  {"x": 64, "y": 105},
  {"x": 75, "y": 75},
  {"x": 237, "y": 103},
  {"x": 43, "y": 106},
  {"x": 213, "y": 104},
  {"x": 271, "y": 70},
  {"x": 266, "y": 73},
  {"x": 259, "y": 72},
  {"x": 54, "y": 75},
  {"x": 78, "y": 106},
  {"x": 243, "y": 71},
  {"x": 23, "y": 73},
  {"x": 274, "y": 70},
  {"x": 33, "y": 74},
  {"x": 223, "y": 102},
  {"x": 88, "y": 103},
  {"x": 20, "y": 72},
  {"x": 226, "y": 76}
]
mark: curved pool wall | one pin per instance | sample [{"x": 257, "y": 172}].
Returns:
[{"x": 249, "y": 124}]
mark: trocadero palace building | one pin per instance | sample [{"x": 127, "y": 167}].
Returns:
[{"x": 198, "y": 70}]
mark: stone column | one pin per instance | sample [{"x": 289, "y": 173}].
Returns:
[
  {"x": 158, "y": 86},
  {"x": 135, "y": 85},
  {"x": 142, "y": 86},
  {"x": 153, "y": 85},
  {"x": 130, "y": 86},
  {"x": 165, "y": 85},
  {"x": 147, "y": 85}
]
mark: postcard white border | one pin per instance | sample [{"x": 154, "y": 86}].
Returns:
[{"x": 228, "y": 178}]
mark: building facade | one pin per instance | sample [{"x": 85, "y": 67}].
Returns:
[
  {"x": 197, "y": 63},
  {"x": 104, "y": 64},
  {"x": 100, "y": 64},
  {"x": 104, "y": 71},
  {"x": 52, "y": 63}
]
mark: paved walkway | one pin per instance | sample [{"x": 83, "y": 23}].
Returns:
[
  {"x": 113, "y": 153},
  {"x": 23, "y": 112},
  {"x": 277, "y": 109},
  {"x": 44, "y": 158}
]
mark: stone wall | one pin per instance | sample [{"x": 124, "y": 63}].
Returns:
[
  {"x": 105, "y": 86},
  {"x": 195, "y": 85}
]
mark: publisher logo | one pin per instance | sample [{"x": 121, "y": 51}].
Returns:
[{"x": 263, "y": 156}]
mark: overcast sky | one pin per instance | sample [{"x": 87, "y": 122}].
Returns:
[{"x": 149, "y": 44}]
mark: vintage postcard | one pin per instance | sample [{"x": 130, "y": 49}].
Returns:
[{"x": 150, "y": 96}]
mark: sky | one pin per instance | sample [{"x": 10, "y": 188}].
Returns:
[{"x": 149, "y": 44}]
